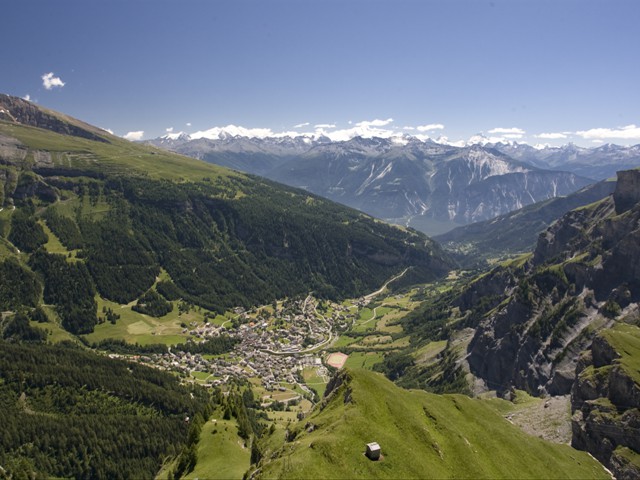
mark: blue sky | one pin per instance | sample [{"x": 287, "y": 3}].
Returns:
[{"x": 535, "y": 71}]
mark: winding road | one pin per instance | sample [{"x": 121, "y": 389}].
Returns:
[{"x": 367, "y": 299}]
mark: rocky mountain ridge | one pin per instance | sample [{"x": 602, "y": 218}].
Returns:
[
  {"x": 20, "y": 111},
  {"x": 517, "y": 231},
  {"x": 564, "y": 320},
  {"x": 600, "y": 162},
  {"x": 582, "y": 274},
  {"x": 605, "y": 400},
  {"x": 430, "y": 186}
]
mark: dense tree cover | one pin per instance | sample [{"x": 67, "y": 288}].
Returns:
[
  {"x": 121, "y": 265},
  {"x": 242, "y": 405},
  {"x": 220, "y": 254},
  {"x": 67, "y": 412},
  {"x": 124, "y": 348},
  {"x": 210, "y": 346},
  {"x": 268, "y": 243},
  {"x": 64, "y": 228},
  {"x": 168, "y": 290},
  {"x": 26, "y": 233},
  {"x": 18, "y": 285},
  {"x": 17, "y": 328},
  {"x": 152, "y": 303},
  {"x": 69, "y": 287},
  {"x": 395, "y": 364}
]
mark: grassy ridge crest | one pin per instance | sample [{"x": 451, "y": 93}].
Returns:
[{"x": 421, "y": 436}]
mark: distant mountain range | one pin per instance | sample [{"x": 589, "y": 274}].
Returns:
[
  {"x": 517, "y": 231},
  {"x": 599, "y": 163},
  {"x": 430, "y": 186}
]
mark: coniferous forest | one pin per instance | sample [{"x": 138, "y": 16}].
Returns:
[{"x": 67, "y": 412}]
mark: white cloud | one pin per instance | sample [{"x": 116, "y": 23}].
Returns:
[
  {"x": 508, "y": 131},
  {"x": 552, "y": 136},
  {"x": 408, "y": 128},
  {"x": 322, "y": 126},
  {"x": 597, "y": 141},
  {"x": 108, "y": 130},
  {"x": 431, "y": 126},
  {"x": 133, "y": 136},
  {"x": 630, "y": 132},
  {"x": 168, "y": 130},
  {"x": 300, "y": 125},
  {"x": 27, "y": 97},
  {"x": 49, "y": 81},
  {"x": 374, "y": 123},
  {"x": 188, "y": 124}
]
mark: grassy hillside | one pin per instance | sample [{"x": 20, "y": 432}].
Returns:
[
  {"x": 625, "y": 340},
  {"x": 421, "y": 436}
]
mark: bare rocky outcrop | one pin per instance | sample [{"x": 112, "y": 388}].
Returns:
[
  {"x": 623, "y": 465},
  {"x": 605, "y": 402},
  {"x": 17, "y": 110},
  {"x": 584, "y": 271},
  {"x": 627, "y": 192}
]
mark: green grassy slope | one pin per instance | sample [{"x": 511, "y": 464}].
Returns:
[
  {"x": 421, "y": 436},
  {"x": 221, "y": 452},
  {"x": 118, "y": 156},
  {"x": 625, "y": 340}
]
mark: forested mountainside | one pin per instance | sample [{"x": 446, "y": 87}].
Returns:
[
  {"x": 67, "y": 412},
  {"x": 126, "y": 212},
  {"x": 430, "y": 186}
]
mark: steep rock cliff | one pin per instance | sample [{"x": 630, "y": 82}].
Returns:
[
  {"x": 584, "y": 272},
  {"x": 605, "y": 400}
]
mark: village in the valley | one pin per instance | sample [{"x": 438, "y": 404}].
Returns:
[
  {"x": 287, "y": 348},
  {"x": 274, "y": 344}
]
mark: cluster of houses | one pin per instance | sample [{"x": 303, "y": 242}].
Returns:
[{"x": 273, "y": 348}]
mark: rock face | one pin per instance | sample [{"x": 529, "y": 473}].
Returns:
[
  {"x": 599, "y": 162},
  {"x": 605, "y": 400},
  {"x": 434, "y": 184},
  {"x": 584, "y": 271},
  {"x": 627, "y": 193},
  {"x": 17, "y": 110},
  {"x": 517, "y": 231},
  {"x": 558, "y": 327}
]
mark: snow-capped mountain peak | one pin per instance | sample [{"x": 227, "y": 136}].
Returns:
[{"x": 183, "y": 136}]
